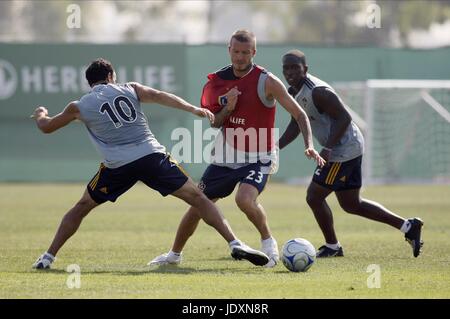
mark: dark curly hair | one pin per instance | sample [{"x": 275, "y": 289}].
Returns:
[{"x": 98, "y": 71}]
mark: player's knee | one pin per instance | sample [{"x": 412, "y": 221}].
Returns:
[
  {"x": 313, "y": 201},
  {"x": 197, "y": 198},
  {"x": 84, "y": 206},
  {"x": 202, "y": 199},
  {"x": 350, "y": 207},
  {"x": 245, "y": 203}
]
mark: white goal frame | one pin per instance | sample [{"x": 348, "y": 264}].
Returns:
[{"x": 365, "y": 120}]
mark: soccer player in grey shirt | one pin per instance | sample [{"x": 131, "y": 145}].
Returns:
[
  {"x": 343, "y": 146},
  {"x": 119, "y": 130}
]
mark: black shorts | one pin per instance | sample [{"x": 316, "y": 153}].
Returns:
[
  {"x": 219, "y": 182},
  {"x": 340, "y": 176},
  {"x": 158, "y": 171}
]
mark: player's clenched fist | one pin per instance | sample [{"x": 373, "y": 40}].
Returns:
[{"x": 39, "y": 112}]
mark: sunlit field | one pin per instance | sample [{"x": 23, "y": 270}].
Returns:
[{"x": 115, "y": 242}]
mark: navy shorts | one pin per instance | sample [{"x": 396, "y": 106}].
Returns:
[
  {"x": 219, "y": 182},
  {"x": 158, "y": 171},
  {"x": 340, "y": 176}
]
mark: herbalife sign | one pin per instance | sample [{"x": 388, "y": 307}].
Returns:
[
  {"x": 60, "y": 69},
  {"x": 52, "y": 79}
]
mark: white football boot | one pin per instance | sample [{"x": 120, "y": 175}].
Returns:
[
  {"x": 166, "y": 259},
  {"x": 270, "y": 248},
  {"x": 44, "y": 261}
]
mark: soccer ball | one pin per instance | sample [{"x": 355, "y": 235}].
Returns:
[{"x": 298, "y": 254}]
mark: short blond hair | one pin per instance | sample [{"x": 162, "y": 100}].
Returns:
[{"x": 243, "y": 35}]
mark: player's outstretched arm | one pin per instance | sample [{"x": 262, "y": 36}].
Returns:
[
  {"x": 276, "y": 89},
  {"x": 50, "y": 124},
  {"x": 147, "y": 94}
]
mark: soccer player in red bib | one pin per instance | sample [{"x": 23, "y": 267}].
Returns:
[{"x": 243, "y": 97}]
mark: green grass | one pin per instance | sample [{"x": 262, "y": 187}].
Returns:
[{"x": 116, "y": 241}]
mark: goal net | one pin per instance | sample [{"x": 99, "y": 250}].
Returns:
[{"x": 406, "y": 125}]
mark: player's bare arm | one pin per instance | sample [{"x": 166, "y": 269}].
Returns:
[
  {"x": 229, "y": 101},
  {"x": 50, "y": 124},
  {"x": 276, "y": 90},
  {"x": 328, "y": 102},
  {"x": 147, "y": 94}
]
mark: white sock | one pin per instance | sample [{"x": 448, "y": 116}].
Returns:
[
  {"x": 405, "y": 227},
  {"x": 267, "y": 240},
  {"x": 173, "y": 254},
  {"x": 334, "y": 246},
  {"x": 50, "y": 255},
  {"x": 235, "y": 242}
]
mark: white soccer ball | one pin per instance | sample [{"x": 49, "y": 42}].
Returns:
[{"x": 298, "y": 254}]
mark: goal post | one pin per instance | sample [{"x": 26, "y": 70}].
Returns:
[{"x": 406, "y": 126}]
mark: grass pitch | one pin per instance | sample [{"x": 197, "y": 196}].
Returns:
[{"x": 115, "y": 242}]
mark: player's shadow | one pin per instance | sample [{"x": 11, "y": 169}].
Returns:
[
  {"x": 131, "y": 272},
  {"x": 166, "y": 269},
  {"x": 172, "y": 269},
  {"x": 46, "y": 271}
]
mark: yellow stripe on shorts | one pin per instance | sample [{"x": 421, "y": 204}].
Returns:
[
  {"x": 329, "y": 173},
  {"x": 94, "y": 181},
  {"x": 332, "y": 173},
  {"x": 172, "y": 160}
]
